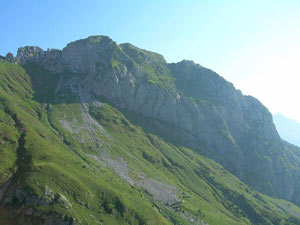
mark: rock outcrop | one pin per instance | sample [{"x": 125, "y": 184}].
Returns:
[
  {"x": 49, "y": 59},
  {"x": 186, "y": 101},
  {"x": 10, "y": 58}
]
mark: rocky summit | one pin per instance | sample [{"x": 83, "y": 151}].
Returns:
[{"x": 101, "y": 133}]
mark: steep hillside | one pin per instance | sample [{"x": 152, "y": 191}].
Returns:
[
  {"x": 101, "y": 133},
  {"x": 198, "y": 107},
  {"x": 288, "y": 129}
]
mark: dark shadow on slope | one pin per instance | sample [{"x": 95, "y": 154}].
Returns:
[{"x": 45, "y": 83}]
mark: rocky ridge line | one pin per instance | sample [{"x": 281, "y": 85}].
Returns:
[{"x": 215, "y": 120}]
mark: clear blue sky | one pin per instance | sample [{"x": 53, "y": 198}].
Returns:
[{"x": 253, "y": 43}]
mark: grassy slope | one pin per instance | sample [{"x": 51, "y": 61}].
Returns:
[
  {"x": 38, "y": 152},
  {"x": 52, "y": 163}
]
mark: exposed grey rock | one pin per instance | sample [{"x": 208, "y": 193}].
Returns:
[
  {"x": 202, "y": 109},
  {"x": 162, "y": 192},
  {"x": 60, "y": 199},
  {"x": 10, "y": 58},
  {"x": 25, "y": 196},
  {"x": 59, "y": 220},
  {"x": 49, "y": 194},
  {"x": 49, "y": 59},
  {"x": 29, "y": 54},
  {"x": 3, "y": 189}
]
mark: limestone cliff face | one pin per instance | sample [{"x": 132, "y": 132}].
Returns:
[
  {"x": 185, "y": 100},
  {"x": 49, "y": 59}
]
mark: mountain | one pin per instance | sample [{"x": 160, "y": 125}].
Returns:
[
  {"x": 101, "y": 133},
  {"x": 288, "y": 129}
]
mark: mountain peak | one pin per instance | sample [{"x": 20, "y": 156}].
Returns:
[
  {"x": 193, "y": 98},
  {"x": 189, "y": 63},
  {"x": 95, "y": 40},
  {"x": 106, "y": 130}
]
